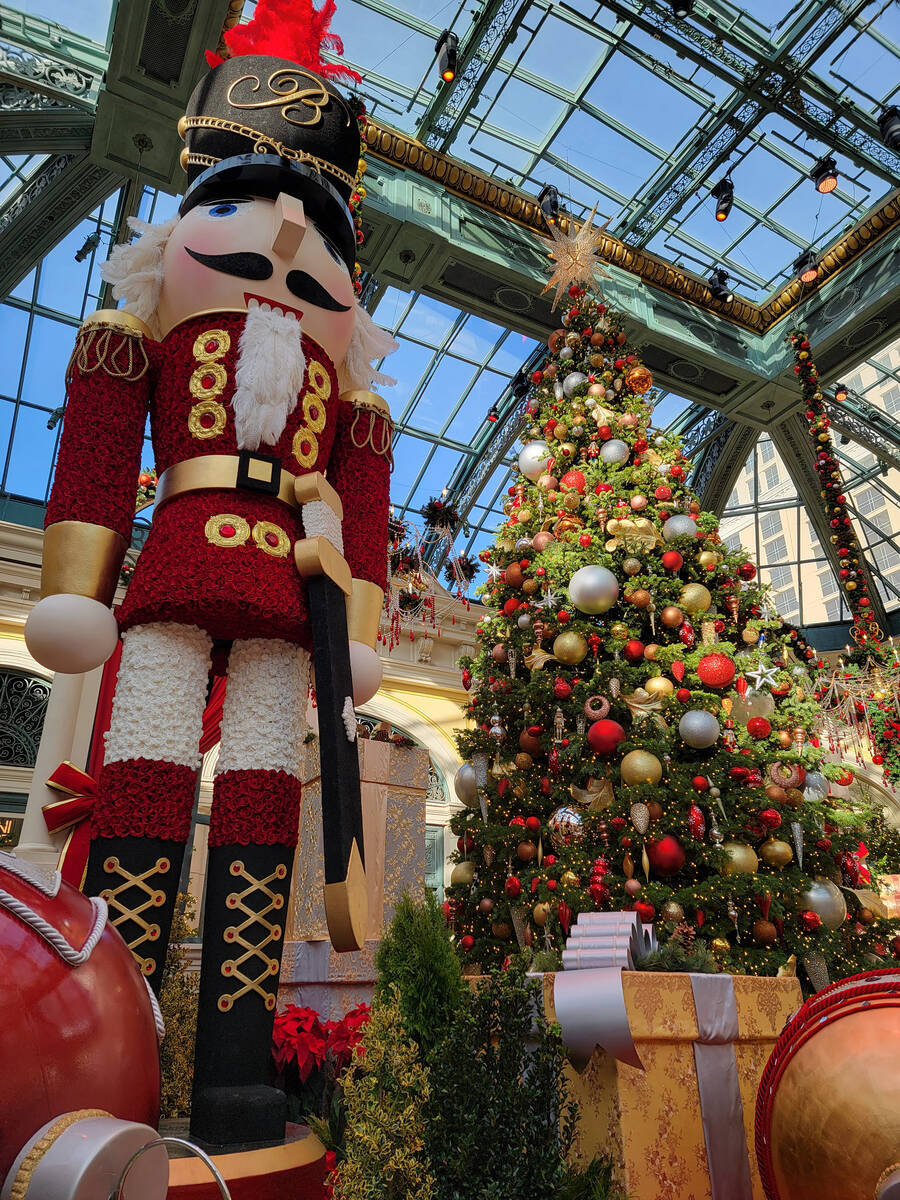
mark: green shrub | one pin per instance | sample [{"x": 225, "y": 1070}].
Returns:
[{"x": 417, "y": 957}]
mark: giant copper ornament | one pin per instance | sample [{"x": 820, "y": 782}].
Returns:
[{"x": 828, "y": 1107}]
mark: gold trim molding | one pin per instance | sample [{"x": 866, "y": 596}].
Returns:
[{"x": 464, "y": 181}]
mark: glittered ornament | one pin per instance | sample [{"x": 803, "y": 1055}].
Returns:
[
  {"x": 715, "y": 670},
  {"x": 632, "y": 566},
  {"x": 759, "y": 727},
  {"x": 570, "y": 648},
  {"x": 672, "y": 911},
  {"x": 720, "y": 946},
  {"x": 695, "y": 598},
  {"x": 699, "y": 728},
  {"x": 678, "y": 526},
  {"x": 640, "y": 766},
  {"x": 615, "y": 451}
]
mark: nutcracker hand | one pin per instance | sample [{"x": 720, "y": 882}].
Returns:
[
  {"x": 366, "y": 669},
  {"x": 70, "y": 633}
]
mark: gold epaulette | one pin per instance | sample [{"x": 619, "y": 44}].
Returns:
[
  {"x": 111, "y": 340},
  {"x": 375, "y": 434}
]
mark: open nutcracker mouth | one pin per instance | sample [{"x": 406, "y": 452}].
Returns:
[{"x": 252, "y": 300}]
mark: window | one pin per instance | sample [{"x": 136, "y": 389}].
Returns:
[
  {"x": 885, "y": 558},
  {"x": 23, "y": 706},
  {"x": 772, "y": 478},
  {"x": 882, "y": 520},
  {"x": 769, "y": 525},
  {"x": 787, "y": 602},
  {"x": 868, "y": 500},
  {"x": 833, "y": 609},
  {"x": 781, "y": 577},
  {"x": 828, "y": 583},
  {"x": 767, "y": 451},
  {"x": 733, "y": 541},
  {"x": 891, "y": 398},
  {"x": 776, "y": 551},
  {"x": 734, "y": 499}
]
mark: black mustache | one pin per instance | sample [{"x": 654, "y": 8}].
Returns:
[{"x": 249, "y": 265}]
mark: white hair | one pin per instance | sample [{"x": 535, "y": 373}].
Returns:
[{"x": 135, "y": 270}]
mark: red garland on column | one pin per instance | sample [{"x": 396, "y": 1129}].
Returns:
[{"x": 854, "y": 583}]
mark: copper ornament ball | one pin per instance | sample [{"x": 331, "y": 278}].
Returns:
[
  {"x": 764, "y": 933},
  {"x": 523, "y": 761},
  {"x": 641, "y": 598},
  {"x": 486, "y": 905},
  {"x": 498, "y": 653},
  {"x": 632, "y": 887},
  {"x": 785, "y": 741},
  {"x": 514, "y": 576},
  {"x": 501, "y": 930},
  {"x": 655, "y": 809},
  {"x": 671, "y": 616},
  {"x": 529, "y": 742},
  {"x": 651, "y": 650},
  {"x": 527, "y": 851},
  {"x": 639, "y": 380}
]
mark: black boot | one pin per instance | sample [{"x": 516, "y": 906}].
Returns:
[
  {"x": 246, "y": 903},
  {"x": 138, "y": 878}
]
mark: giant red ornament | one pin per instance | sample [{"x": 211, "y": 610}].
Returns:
[
  {"x": 634, "y": 650},
  {"x": 715, "y": 670},
  {"x": 645, "y": 911},
  {"x": 572, "y": 481},
  {"x": 666, "y": 855},
  {"x": 72, "y": 1036},
  {"x": 604, "y": 736},
  {"x": 759, "y": 727},
  {"x": 672, "y": 560}
]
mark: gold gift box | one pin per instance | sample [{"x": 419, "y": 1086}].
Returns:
[{"x": 649, "y": 1122}]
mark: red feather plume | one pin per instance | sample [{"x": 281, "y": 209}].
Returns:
[{"x": 291, "y": 29}]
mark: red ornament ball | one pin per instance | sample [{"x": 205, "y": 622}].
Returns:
[
  {"x": 572, "y": 481},
  {"x": 715, "y": 670},
  {"x": 510, "y": 607},
  {"x": 895, "y": 947},
  {"x": 645, "y": 911},
  {"x": 683, "y": 695},
  {"x": 604, "y": 737},
  {"x": 672, "y": 560},
  {"x": 759, "y": 727},
  {"x": 532, "y": 824},
  {"x": 513, "y": 887},
  {"x": 634, "y": 650},
  {"x": 700, "y": 783},
  {"x": 770, "y": 818},
  {"x": 467, "y": 942},
  {"x": 666, "y": 855},
  {"x": 747, "y": 571},
  {"x": 810, "y": 921},
  {"x": 877, "y": 759}
]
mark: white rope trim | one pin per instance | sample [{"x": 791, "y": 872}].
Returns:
[
  {"x": 349, "y": 715},
  {"x": 157, "y": 1014},
  {"x": 320, "y": 520},
  {"x": 45, "y": 881},
  {"x": 51, "y": 935}
]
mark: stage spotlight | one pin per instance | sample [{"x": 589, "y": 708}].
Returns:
[
  {"x": 447, "y": 47},
  {"x": 824, "y": 175},
  {"x": 718, "y": 286},
  {"x": 840, "y": 392},
  {"x": 549, "y": 202},
  {"x": 682, "y": 8},
  {"x": 91, "y": 242},
  {"x": 492, "y": 414},
  {"x": 723, "y": 194},
  {"x": 806, "y": 267}
]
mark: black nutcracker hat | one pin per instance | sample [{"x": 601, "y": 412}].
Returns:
[{"x": 269, "y": 119}]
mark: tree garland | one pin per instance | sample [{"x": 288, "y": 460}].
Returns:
[{"x": 852, "y": 574}]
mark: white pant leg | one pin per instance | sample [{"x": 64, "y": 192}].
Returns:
[{"x": 264, "y": 719}]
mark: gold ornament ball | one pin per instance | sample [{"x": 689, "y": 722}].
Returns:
[
  {"x": 619, "y": 629},
  {"x": 671, "y": 616},
  {"x": 530, "y": 586},
  {"x": 524, "y": 516},
  {"x": 640, "y": 766},
  {"x": 709, "y": 558},
  {"x": 720, "y": 946},
  {"x": 572, "y": 501},
  {"x": 506, "y": 546},
  {"x": 865, "y": 916},
  {"x": 651, "y": 650},
  {"x": 573, "y": 339},
  {"x": 793, "y": 797},
  {"x": 658, "y": 685},
  {"x": 570, "y": 648},
  {"x": 671, "y": 911},
  {"x": 561, "y": 432},
  {"x": 568, "y": 879},
  {"x": 541, "y": 913},
  {"x": 742, "y": 859},
  {"x": 776, "y": 853},
  {"x": 750, "y": 636},
  {"x": 632, "y": 566},
  {"x": 695, "y": 598},
  {"x": 639, "y": 380},
  {"x": 784, "y": 739},
  {"x": 523, "y": 761},
  {"x": 463, "y": 873}
]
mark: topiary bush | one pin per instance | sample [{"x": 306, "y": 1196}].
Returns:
[
  {"x": 178, "y": 1005},
  {"x": 417, "y": 958}
]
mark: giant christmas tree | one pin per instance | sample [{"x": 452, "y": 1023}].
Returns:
[{"x": 641, "y": 736}]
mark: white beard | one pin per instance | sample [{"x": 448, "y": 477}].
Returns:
[{"x": 271, "y": 367}]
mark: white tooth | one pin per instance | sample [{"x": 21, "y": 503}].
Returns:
[
  {"x": 252, "y": 303},
  {"x": 277, "y": 310},
  {"x": 291, "y": 316},
  {"x": 266, "y": 307}
]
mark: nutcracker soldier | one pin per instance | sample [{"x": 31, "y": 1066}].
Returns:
[{"x": 243, "y": 340}]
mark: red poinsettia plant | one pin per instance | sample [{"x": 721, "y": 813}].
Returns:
[{"x": 310, "y": 1055}]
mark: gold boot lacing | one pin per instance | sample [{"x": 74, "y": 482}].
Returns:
[
  {"x": 232, "y": 968},
  {"x": 120, "y": 912}
]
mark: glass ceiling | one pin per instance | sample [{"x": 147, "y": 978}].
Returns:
[{"x": 589, "y": 101}]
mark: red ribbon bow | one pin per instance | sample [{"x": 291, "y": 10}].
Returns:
[{"x": 72, "y": 813}]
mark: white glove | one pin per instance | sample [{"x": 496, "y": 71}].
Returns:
[
  {"x": 71, "y": 633},
  {"x": 367, "y": 672}
]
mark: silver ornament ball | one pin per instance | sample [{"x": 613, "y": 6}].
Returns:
[
  {"x": 824, "y": 898},
  {"x": 524, "y": 620},
  {"x": 593, "y": 589},
  {"x": 815, "y": 786},
  {"x": 678, "y": 526},
  {"x": 573, "y": 381},
  {"x": 614, "y": 451},
  {"x": 567, "y": 353},
  {"x": 699, "y": 728},
  {"x": 533, "y": 459},
  {"x": 465, "y": 784}
]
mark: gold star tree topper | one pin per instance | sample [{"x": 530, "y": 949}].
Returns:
[{"x": 574, "y": 254}]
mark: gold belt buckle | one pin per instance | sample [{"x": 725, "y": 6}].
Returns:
[{"x": 258, "y": 472}]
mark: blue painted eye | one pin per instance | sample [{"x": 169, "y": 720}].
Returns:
[{"x": 225, "y": 208}]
